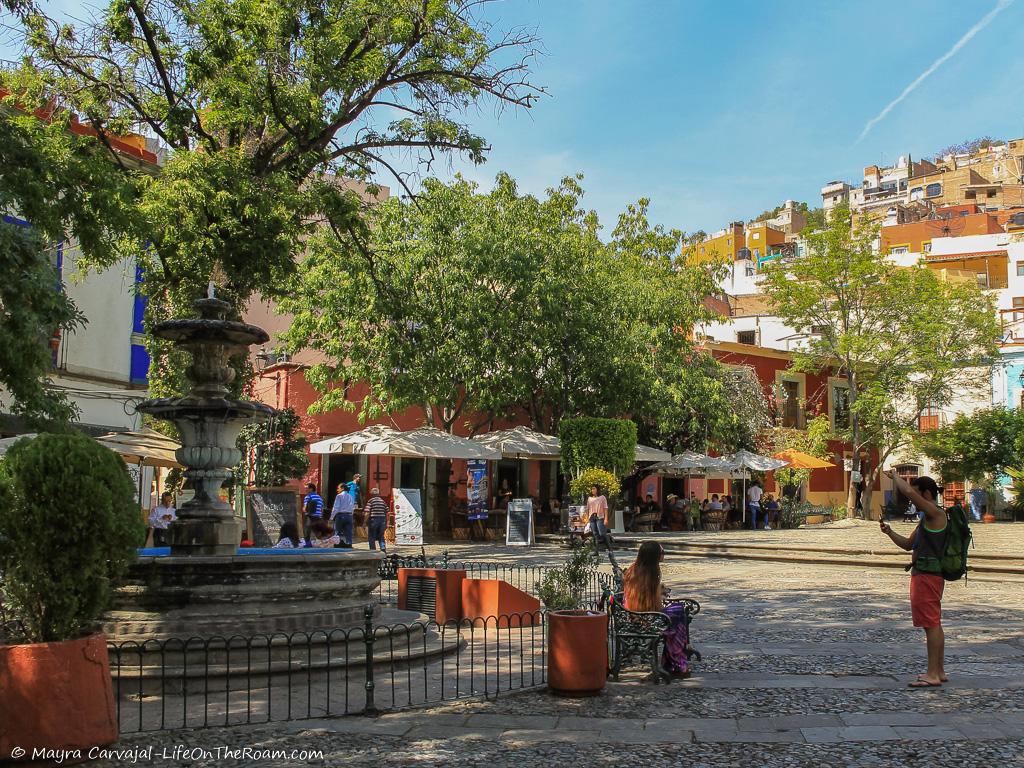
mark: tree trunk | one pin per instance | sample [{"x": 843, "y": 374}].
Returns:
[{"x": 851, "y": 493}]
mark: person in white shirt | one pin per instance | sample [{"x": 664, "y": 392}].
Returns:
[
  {"x": 160, "y": 519},
  {"x": 342, "y": 514},
  {"x": 754, "y": 493}
]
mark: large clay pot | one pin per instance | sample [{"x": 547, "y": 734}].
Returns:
[
  {"x": 988, "y": 517},
  {"x": 577, "y": 652},
  {"x": 56, "y": 696}
]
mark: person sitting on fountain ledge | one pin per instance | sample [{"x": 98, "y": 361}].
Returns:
[
  {"x": 289, "y": 537},
  {"x": 323, "y": 536}
]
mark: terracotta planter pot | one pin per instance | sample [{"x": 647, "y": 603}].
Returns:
[
  {"x": 56, "y": 696},
  {"x": 577, "y": 652},
  {"x": 988, "y": 517}
]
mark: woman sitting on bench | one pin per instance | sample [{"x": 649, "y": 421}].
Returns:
[{"x": 643, "y": 591}]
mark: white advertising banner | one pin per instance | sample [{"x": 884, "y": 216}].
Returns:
[{"x": 408, "y": 516}]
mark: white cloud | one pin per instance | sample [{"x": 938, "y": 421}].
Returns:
[{"x": 984, "y": 22}]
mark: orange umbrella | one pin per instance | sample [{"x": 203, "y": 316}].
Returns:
[{"x": 799, "y": 460}]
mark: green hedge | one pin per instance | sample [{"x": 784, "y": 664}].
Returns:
[
  {"x": 587, "y": 442},
  {"x": 69, "y": 526}
]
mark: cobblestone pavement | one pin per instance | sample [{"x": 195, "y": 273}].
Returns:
[{"x": 804, "y": 665}]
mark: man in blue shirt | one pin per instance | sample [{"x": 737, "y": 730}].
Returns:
[
  {"x": 312, "y": 507},
  {"x": 353, "y": 488}
]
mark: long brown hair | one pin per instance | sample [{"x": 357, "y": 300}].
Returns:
[{"x": 643, "y": 579}]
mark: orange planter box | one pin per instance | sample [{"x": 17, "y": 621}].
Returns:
[
  {"x": 497, "y": 603},
  {"x": 434, "y": 591}
]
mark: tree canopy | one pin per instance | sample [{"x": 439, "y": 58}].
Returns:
[
  {"x": 978, "y": 447},
  {"x": 490, "y": 304},
  {"x": 901, "y": 339},
  {"x": 263, "y": 108},
  {"x": 55, "y": 184}
]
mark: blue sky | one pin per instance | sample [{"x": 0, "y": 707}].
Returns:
[{"x": 718, "y": 110}]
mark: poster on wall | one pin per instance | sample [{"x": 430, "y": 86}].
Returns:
[
  {"x": 476, "y": 489},
  {"x": 408, "y": 516}
]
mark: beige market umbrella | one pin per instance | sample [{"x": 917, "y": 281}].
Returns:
[
  {"x": 347, "y": 444},
  {"x": 522, "y": 443},
  {"x": 146, "y": 448},
  {"x": 644, "y": 453}
]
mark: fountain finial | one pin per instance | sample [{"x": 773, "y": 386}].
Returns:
[{"x": 210, "y": 290}]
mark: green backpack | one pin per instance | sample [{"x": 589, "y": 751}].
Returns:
[{"x": 951, "y": 562}]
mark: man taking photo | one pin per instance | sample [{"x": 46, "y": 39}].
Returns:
[{"x": 925, "y": 588}]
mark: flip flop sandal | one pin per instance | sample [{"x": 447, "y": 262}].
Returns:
[
  {"x": 941, "y": 679},
  {"x": 923, "y": 684}
]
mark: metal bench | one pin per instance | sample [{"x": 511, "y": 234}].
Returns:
[{"x": 637, "y": 637}]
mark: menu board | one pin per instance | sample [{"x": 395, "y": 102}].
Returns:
[
  {"x": 269, "y": 508},
  {"x": 408, "y": 516},
  {"x": 519, "y": 525}
]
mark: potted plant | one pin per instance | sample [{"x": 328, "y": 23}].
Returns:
[
  {"x": 577, "y": 638},
  {"x": 69, "y": 527}
]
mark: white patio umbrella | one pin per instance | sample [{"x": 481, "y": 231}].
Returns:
[
  {"x": 645, "y": 453},
  {"x": 347, "y": 443},
  {"x": 147, "y": 448},
  {"x": 522, "y": 443},
  {"x": 745, "y": 460}
]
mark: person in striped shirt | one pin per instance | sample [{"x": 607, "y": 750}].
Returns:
[{"x": 377, "y": 511}]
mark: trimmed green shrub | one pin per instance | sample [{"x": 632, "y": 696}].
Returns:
[
  {"x": 69, "y": 527},
  {"x": 564, "y": 588},
  {"x": 587, "y": 442},
  {"x": 606, "y": 481}
]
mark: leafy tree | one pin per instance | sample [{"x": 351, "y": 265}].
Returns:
[
  {"x": 590, "y": 443},
  {"x": 263, "y": 108},
  {"x": 977, "y": 447},
  {"x": 902, "y": 339},
  {"x": 815, "y": 219},
  {"x": 277, "y": 454},
  {"x": 58, "y": 184}
]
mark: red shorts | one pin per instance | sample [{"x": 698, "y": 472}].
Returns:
[{"x": 926, "y": 599}]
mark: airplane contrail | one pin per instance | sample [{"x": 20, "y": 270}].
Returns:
[{"x": 982, "y": 23}]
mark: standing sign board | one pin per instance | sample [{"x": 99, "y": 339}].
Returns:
[
  {"x": 519, "y": 530},
  {"x": 267, "y": 510},
  {"x": 408, "y": 516},
  {"x": 476, "y": 489}
]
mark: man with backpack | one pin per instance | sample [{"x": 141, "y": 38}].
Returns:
[{"x": 939, "y": 546}]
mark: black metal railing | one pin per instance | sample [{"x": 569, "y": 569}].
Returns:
[{"x": 199, "y": 682}]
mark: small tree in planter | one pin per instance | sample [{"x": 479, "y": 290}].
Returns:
[
  {"x": 577, "y": 638},
  {"x": 69, "y": 527}
]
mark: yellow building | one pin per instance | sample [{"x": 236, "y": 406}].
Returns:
[
  {"x": 724, "y": 245},
  {"x": 759, "y": 237}
]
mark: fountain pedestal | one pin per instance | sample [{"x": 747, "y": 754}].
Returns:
[{"x": 209, "y": 423}]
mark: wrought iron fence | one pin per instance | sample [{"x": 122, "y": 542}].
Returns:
[{"x": 362, "y": 670}]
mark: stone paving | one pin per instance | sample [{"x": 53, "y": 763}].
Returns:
[{"x": 804, "y": 665}]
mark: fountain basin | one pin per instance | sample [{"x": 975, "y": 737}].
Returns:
[{"x": 256, "y": 593}]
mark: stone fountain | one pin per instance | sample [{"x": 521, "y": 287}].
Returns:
[
  {"x": 209, "y": 423},
  {"x": 206, "y": 586}
]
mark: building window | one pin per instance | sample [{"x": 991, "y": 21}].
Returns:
[
  {"x": 791, "y": 407},
  {"x": 1018, "y": 302},
  {"x": 916, "y": 193},
  {"x": 970, "y": 195},
  {"x": 746, "y": 337},
  {"x": 755, "y": 235},
  {"x": 749, "y": 271},
  {"x": 928, "y": 420},
  {"x": 702, "y": 250},
  {"x": 757, "y": 253},
  {"x": 933, "y": 190},
  {"x": 840, "y": 406},
  {"x": 1020, "y": 269},
  {"x": 926, "y": 247},
  {"x": 991, "y": 193},
  {"x": 899, "y": 249},
  {"x": 982, "y": 280}
]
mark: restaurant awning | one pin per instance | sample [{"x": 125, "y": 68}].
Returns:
[{"x": 800, "y": 460}]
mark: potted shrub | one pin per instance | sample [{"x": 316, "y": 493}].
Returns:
[
  {"x": 69, "y": 527},
  {"x": 577, "y": 638}
]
